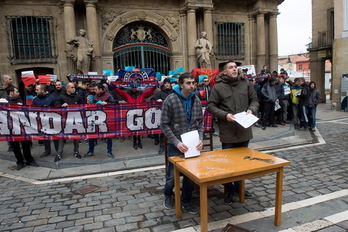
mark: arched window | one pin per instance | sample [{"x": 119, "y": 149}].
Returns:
[{"x": 143, "y": 46}]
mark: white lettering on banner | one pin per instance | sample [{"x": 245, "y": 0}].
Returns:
[
  {"x": 203, "y": 109},
  {"x": 19, "y": 120},
  {"x": 73, "y": 123},
  {"x": 153, "y": 118},
  {"x": 96, "y": 118},
  {"x": 4, "y": 130},
  {"x": 135, "y": 119},
  {"x": 51, "y": 122}
]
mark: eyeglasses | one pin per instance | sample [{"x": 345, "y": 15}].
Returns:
[{"x": 205, "y": 81}]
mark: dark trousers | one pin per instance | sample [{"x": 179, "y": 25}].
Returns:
[
  {"x": 26, "y": 155},
  {"x": 268, "y": 114},
  {"x": 233, "y": 186}
]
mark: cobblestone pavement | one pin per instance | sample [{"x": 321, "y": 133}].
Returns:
[{"x": 134, "y": 201}]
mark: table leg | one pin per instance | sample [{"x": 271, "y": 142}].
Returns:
[
  {"x": 177, "y": 192},
  {"x": 241, "y": 191},
  {"x": 279, "y": 198},
  {"x": 203, "y": 207}
]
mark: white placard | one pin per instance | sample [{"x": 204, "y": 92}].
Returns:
[
  {"x": 245, "y": 120},
  {"x": 191, "y": 140}
]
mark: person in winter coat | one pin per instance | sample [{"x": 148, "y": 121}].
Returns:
[
  {"x": 69, "y": 97},
  {"x": 21, "y": 149},
  {"x": 134, "y": 95},
  {"x": 160, "y": 96},
  {"x": 232, "y": 94},
  {"x": 314, "y": 99},
  {"x": 102, "y": 97},
  {"x": 303, "y": 105},
  {"x": 44, "y": 98},
  {"x": 269, "y": 98}
]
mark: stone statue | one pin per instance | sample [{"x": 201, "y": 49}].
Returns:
[
  {"x": 203, "y": 51},
  {"x": 83, "y": 52}
]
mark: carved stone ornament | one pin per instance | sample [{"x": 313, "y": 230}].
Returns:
[
  {"x": 173, "y": 38},
  {"x": 110, "y": 36},
  {"x": 160, "y": 22},
  {"x": 123, "y": 21},
  {"x": 142, "y": 16},
  {"x": 108, "y": 17},
  {"x": 141, "y": 33}
]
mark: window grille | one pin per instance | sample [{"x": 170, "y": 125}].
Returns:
[
  {"x": 230, "y": 40},
  {"x": 30, "y": 39}
]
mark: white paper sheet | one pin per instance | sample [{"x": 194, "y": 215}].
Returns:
[
  {"x": 276, "y": 106},
  {"x": 245, "y": 120},
  {"x": 191, "y": 140}
]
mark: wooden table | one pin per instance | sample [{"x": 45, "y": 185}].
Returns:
[{"x": 224, "y": 166}]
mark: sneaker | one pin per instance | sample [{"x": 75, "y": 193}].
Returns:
[
  {"x": 161, "y": 150},
  {"x": 111, "y": 155},
  {"x": 263, "y": 127},
  {"x": 57, "y": 158},
  {"x": 192, "y": 209},
  {"x": 313, "y": 128},
  {"x": 168, "y": 202},
  {"x": 33, "y": 164},
  {"x": 302, "y": 129},
  {"x": 215, "y": 134},
  {"x": 247, "y": 194},
  {"x": 77, "y": 154},
  {"x": 135, "y": 146},
  {"x": 274, "y": 125},
  {"x": 140, "y": 145},
  {"x": 229, "y": 198},
  {"x": 88, "y": 154},
  {"x": 20, "y": 166},
  {"x": 86, "y": 141}
]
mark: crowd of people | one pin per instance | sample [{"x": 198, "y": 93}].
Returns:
[
  {"x": 283, "y": 100},
  {"x": 273, "y": 98}
]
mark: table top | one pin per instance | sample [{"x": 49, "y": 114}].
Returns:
[{"x": 225, "y": 163}]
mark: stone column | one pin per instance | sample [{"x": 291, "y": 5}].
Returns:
[
  {"x": 261, "y": 45},
  {"x": 191, "y": 39},
  {"x": 69, "y": 32},
  {"x": 273, "y": 42},
  {"x": 208, "y": 25},
  {"x": 251, "y": 40},
  {"x": 93, "y": 33}
]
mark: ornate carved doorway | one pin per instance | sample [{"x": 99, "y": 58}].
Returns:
[{"x": 142, "y": 45}]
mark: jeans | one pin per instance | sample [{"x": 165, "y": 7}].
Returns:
[
  {"x": 303, "y": 116},
  {"x": 61, "y": 144},
  {"x": 187, "y": 185},
  {"x": 233, "y": 187},
  {"x": 91, "y": 144},
  {"x": 312, "y": 114}
]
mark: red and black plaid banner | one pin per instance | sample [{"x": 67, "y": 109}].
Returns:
[{"x": 82, "y": 121}]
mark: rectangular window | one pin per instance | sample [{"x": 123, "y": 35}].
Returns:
[
  {"x": 230, "y": 40},
  {"x": 30, "y": 39},
  {"x": 300, "y": 67}
]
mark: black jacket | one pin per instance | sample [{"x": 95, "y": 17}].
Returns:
[
  {"x": 44, "y": 100},
  {"x": 163, "y": 94},
  {"x": 69, "y": 99}
]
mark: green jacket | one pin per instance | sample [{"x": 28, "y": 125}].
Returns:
[
  {"x": 3, "y": 93},
  {"x": 228, "y": 96}
]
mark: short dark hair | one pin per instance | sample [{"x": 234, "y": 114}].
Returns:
[
  {"x": 10, "y": 88},
  {"x": 185, "y": 76},
  {"x": 101, "y": 86}
]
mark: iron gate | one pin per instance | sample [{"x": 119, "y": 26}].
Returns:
[{"x": 143, "y": 46}]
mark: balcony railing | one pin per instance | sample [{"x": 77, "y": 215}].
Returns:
[{"x": 325, "y": 38}]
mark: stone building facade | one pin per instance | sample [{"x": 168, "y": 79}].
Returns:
[
  {"x": 159, "y": 34},
  {"x": 329, "y": 42}
]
